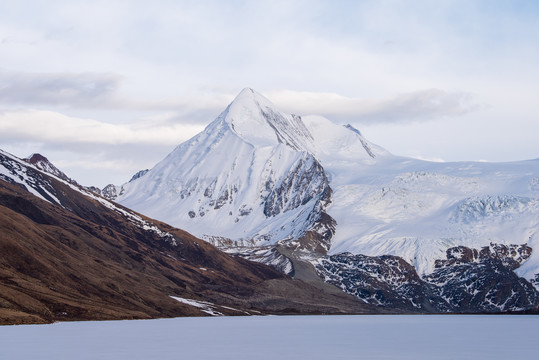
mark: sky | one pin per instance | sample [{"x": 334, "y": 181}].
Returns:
[{"x": 106, "y": 88}]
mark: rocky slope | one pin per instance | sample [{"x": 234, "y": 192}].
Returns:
[{"x": 468, "y": 280}]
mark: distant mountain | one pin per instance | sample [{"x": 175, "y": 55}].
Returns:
[
  {"x": 299, "y": 192},
  {"x": 68, "y": 254},
  {"x": 111, "y": 191}
]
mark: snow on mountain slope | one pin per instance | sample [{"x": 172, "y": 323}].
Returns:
[
  {"x": 417, "y": 209},
  {"x": 250, "y": 178},
  {"x": 335, "y": 143},
  {"x": 256, "y": 120},
  {"x": 14, "y": 170}
]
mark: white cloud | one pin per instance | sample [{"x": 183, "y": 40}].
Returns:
[
  {"x": 161, "y": 70},
  {"x": 71, "y": 89},
  {"x": 56, "y": 128},
  {"x": 423, "y": 105},
  {"x": 96, "y": 91},
  {"x": 100, "y": 91},
  {"x": 91, "y": 151}
]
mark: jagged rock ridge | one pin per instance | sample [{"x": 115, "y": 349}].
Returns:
[{"x": 469, "y": 280}]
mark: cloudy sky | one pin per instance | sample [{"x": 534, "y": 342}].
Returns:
[{"x": 105, "y": 88}]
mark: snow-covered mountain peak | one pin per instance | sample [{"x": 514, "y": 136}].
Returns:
[
  {"x": 254, "y": 175},
  {"x": 248, "y": 97},
  {"x": 246, "y": 104},
  {"x": 255, "y": 119},
  {"x": 251, "y": 177},
  {"x": 340, "y": 144}
]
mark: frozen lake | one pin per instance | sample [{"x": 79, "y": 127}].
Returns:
[{"x": 279, "y": 337}]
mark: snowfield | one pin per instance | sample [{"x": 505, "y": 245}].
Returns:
[{"x": 279, "y": 337}]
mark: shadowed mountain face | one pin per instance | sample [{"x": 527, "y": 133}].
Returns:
[{"x": 66, "y": 254}]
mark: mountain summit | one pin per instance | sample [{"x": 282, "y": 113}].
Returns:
[
  {"x": 255, "y": 119},
  {"x": 253, "y": 177}
]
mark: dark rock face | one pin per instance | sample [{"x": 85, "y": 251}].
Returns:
[
  {"x": 484, "y": 281},
  {"x": 307, "y": 180},
  {"x": 42, "y": 163},
  {"x": 469, "y": 280},
  {"x": 315, "y": 241},
  {"x": 511, "y": 256},
  {"x": 111, "y": 192},
  {"x": 139, "y": 174},
  {"x": 382, "y": 280}
]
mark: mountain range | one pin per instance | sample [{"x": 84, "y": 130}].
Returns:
[
  {"x": 303, "y": 194},
  {"x": 296, "y": 214}
]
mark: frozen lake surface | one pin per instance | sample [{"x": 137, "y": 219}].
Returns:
[{"x": 279, "y": 337}]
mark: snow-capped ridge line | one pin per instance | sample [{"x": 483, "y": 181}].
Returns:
[{"x": 17, "y": 171}]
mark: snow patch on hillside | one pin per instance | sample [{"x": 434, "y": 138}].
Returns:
[{"x": 204, "y": 306}]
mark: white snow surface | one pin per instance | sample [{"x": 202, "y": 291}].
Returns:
[
  {"x": 279, "y": 337},
  {"x": 214, "y": 185},
  {"x": 382, "y": 203},
  {"x": 417, "y": 209},
  {"x": 20, "y": 174}
]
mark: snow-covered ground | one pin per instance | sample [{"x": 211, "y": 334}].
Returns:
[{"x": 279, "y": 337}]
